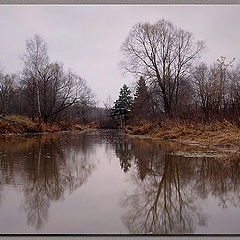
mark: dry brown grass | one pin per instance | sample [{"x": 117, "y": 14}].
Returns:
[
  {"x": 214, "y": 134},
  {"x": 21, "y": 124}
]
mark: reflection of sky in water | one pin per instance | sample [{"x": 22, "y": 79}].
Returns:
[
  {"x": 97, "y": 182},
  {"x": 220, "y": 219}
]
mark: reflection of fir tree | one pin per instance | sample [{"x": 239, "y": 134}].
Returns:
[
  {"x": 124, "y": 153},
  {"x": 142, "y": 169},
  {"x": 144, "y": 154}
]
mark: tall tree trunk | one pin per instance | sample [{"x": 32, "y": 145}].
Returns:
[{"x": 38, "y": 102}]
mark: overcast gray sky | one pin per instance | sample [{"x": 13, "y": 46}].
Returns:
[{"x": 87, "y": 38}]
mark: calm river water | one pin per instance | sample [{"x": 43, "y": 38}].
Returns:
[{"x": 106, "y": 182}]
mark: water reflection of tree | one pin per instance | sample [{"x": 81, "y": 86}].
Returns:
[
  {"x": 169, "y": 189},
  {"x": 220, "y": 179},
  {"x": 48, "y": 166},
  {"x": 163, "y": 202},
  {"x": 124, "y": 153}
]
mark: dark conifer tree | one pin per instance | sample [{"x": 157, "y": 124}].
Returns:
[{"x": 122, "y": 106}]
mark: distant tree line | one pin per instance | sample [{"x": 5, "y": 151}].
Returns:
[
  {"x": 172, "y": 82},
  {"x": 44, "y": 90}
]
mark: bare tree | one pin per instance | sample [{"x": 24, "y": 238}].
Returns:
[
  {"x": 35, "y": 60},
  {"x": 202, "y": 88},
  {"x": 7, "y": 88},
  {"x": 234, "y": 93},
  {"x": 108, "y": 104},
  {"x": 67, "y": 89},
  {"x": 48, "y": 88},
  {"x": 162, "y": 54},
  {"x": 85, "y": 104},
  {"x": 211, "y": 85}
]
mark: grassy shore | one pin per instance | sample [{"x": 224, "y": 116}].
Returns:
[
  {"x": 20, "y": 124},
  {"x": 217, "y": 134}
]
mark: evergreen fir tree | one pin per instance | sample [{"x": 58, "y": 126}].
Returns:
[
  {"x": 141, "y": 90},
  {"x": 141, "y": 106},
  {"x": 123, "y": 105}
]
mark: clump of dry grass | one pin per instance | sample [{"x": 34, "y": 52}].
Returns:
[
  {"x": 141, "y": 128},
  {"x": 216, "y": 133}
]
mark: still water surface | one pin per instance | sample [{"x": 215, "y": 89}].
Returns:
[{"x": 106, "y": 182}]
